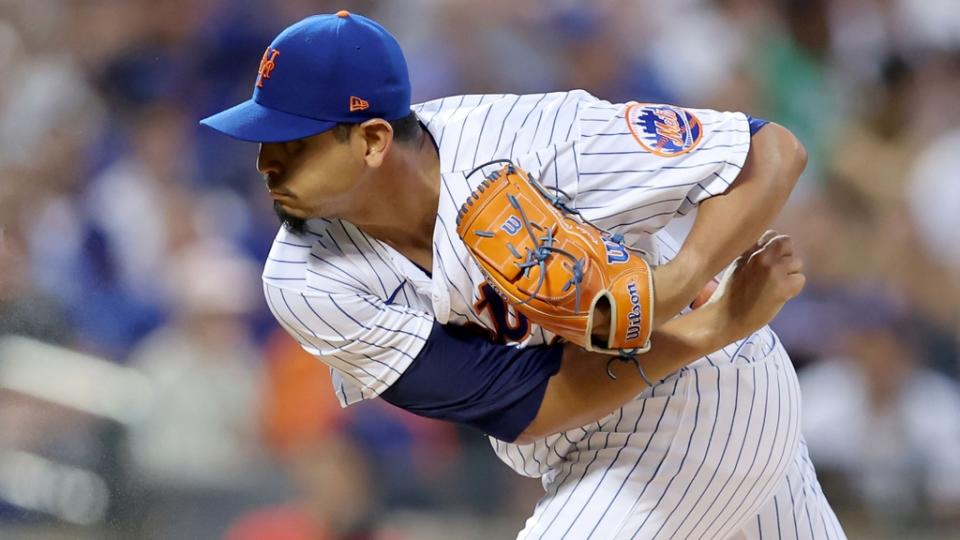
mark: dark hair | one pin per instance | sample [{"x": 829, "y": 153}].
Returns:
[{"x": 405, "y": 129}]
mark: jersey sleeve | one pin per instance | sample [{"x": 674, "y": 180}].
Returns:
[
  {"x": 367, "y": 342},
  {"x": 637, "y": 165},
  {"x": 461, "y": 376}
]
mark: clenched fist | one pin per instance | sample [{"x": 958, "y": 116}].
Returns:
[{"x": 756, "y": 285}]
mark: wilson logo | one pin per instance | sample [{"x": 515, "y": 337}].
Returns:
[
  {"x": 512, "y": 225},
  {"x": 616, "y": 253},
  {"x": 635, "y": 315}
]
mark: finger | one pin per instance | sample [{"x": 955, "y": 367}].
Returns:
[
  {"x": 781, "y": 244},
  {"x": 766, "y": 237},
  {"x": 788, "y": 264},
  {"x": 758, "y": 245},
  {"x": 771, "y": 253}
]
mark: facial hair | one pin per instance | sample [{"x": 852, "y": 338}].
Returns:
[{"x": 292, "y": 223}]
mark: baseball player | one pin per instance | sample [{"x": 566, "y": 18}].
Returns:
[{"x": 369, "y": 274}]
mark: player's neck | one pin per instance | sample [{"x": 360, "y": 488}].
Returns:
[{"x": 404, "y": 209}]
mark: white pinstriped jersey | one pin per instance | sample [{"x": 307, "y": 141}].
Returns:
[
  {"x": 714, "y": 451},
  {"x": 630, "y": 168}
]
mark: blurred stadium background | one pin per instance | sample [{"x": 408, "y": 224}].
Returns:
[{"x": 145, "y": 391}]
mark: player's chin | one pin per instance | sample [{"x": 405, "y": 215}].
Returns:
[{"x": 293, "y": 219}]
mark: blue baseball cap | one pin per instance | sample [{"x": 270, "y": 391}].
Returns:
[{"x": 318, "y": 72}]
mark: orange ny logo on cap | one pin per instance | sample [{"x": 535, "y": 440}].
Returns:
[
  {"x": 267, "y": 63},
  {"x": 357, "y": 104}
]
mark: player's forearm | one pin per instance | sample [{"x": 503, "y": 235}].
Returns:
[
  {"x": 727, "y": 224},
  {"x": 581, "y": 392}
]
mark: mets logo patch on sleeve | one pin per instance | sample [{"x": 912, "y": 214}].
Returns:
[{"x": 664, "y": 130}]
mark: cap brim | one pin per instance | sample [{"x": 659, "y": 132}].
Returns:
[{"x": 250, "y": 121}]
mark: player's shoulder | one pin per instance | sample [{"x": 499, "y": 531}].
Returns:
[
  {"x": 451, "y": 108},
  {"x": 325, "y": 257}
]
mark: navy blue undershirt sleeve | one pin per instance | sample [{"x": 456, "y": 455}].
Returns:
[
  {"x": 462, "y": 377},
  {"x": 756, "y": 124}
]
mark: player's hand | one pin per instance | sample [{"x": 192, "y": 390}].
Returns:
[{"x": 757, "y": 285}]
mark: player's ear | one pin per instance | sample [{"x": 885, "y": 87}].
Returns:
[{"x": 376, "y": 138}]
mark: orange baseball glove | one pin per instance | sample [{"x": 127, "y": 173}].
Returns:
[{"x": 555, "y": 267}]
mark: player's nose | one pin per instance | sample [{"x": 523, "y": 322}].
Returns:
[{"x": 268, "y": 160}]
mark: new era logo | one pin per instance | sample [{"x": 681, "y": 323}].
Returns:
[{"x": 357, "y": 104}]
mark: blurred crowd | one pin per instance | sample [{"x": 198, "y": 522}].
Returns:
[{"x": 130, "y": 235}]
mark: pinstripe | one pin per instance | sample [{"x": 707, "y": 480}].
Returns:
[
  {"x": 307, "y": 339},
  {"x": 318, "y": 289},
  {"x": 776, "y": 506},
  {"x": 643, "y": 452},
  {"x": 328, "y": 277},
  {"x": 290, "y": 244},
  {"x": 573, "y": 490},
  {"x": 819, "y": 492},
  {"x": 641, "y": 220},
  {"x": 335, "y": 375},
  {"x": 462, "y": 129},
  {"x": 574, "y": 121},
  {"x": 793, "y": 509},
  {"x": 603, "y": 134},
  {"x": 766, "y": 400},
  {"x": 766, "y": 463},
  {"x": 723, "y": 453},
  {"x": 397, "y": 309},
  {"x": 616, "y": 458},
  {"x": 331, "y": 345},
  {"x": 435, "y": 113},
  {"x": 404, "y": 332},
  {"x": 617, "y": 153},
  {"x": 503, "y": 123},
  {"x": 476, "y": 148},
  {"x": 576, "y": 166},
  {"x": 536, "y": 129},
  {"x": 337, "y": 268},
  {"x": 806, "y": 498},
  {"x": 468, "y": 300},
  {"x": 393, "y": 295},
  {"x": 358, "y": 323},
  {"x": 557, "y": 116},
  {"x": 523, "y": 460},
  {"x": 653, "y": 170},
  {"x": 644, "y": 205},
  {"x": 533, "y": 454},
  {"x": 524, "y": 123},
  {"x": 443, "y": 130},
  {"x": 556, "y": 485},
  {"x": 331, "y": 237},
  {"x": 696, "y": 422},
  {"x": 791, "y": 402},
  {"x": 365, "y": 259},
  {"x": 498, "y": 443},
  {"x": 376, "y": 252}
]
